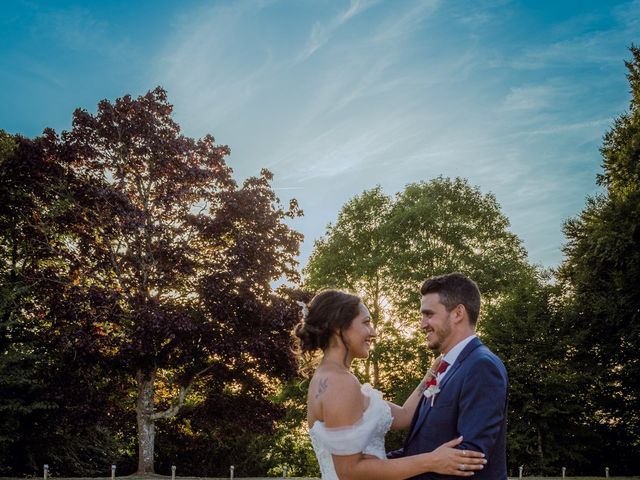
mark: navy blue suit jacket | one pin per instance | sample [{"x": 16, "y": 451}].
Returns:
[{"x": 472, "y": 402}]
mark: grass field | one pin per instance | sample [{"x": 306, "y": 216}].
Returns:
[{"x": 163, "y": 477}]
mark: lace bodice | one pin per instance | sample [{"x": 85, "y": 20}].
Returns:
[{"x": 366, "y": 435}]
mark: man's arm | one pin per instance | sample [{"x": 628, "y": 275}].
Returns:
[{"x": 482, "y": 406}]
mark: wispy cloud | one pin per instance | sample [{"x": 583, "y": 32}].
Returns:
[
  {"x": 77, "y": 29},
  {"x": 589, "y": 48},
  {"x": 384, "y": 93},
  {"x": 48, "y": 75},
  {"x": 321, "y": 32},
  {"x": 405, "y": 21},
  {"x": 335, "y": 97},
  {"x": 529, "y": 98},
  {"x": 204, "y": 67}
]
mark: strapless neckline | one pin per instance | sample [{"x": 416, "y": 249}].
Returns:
[
  {"x": 366, "y": 390},
  {"x": 364, "y": 436}
]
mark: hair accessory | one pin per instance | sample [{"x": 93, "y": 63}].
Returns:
[{"x": 305, "y": 309}]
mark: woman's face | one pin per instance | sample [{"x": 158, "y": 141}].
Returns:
[{"x": 359, "y": 334}]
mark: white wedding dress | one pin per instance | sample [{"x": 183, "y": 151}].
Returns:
[{"x": 366, "y": 435}]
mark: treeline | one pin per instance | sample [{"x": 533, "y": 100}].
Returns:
[
  {"x": 136, "y": 298},
  {"x": 139, "y": 326}
]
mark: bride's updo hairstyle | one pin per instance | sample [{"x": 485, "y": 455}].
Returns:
[{"x": 327, "y": 312}]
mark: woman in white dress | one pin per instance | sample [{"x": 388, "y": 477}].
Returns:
[{"x": 347, "y": 420}]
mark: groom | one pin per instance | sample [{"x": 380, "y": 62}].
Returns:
[{"x": 470, "y": 396}]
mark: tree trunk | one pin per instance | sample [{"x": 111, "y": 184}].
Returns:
[
  {"x": 375, "y": 318},
  {"x": 376, "y": 373},
  {"x": 367, "y": 369},
  {"x": 540, "y": 448},
  {"x": 146, "y": 425}
]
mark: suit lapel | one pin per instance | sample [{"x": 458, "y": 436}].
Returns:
[
  {"x": 420, "y": 415},
  {"x": 470, "y": 347},
  {"x": 424, "y": 406}
]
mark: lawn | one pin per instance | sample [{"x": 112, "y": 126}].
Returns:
[{"x": 162, "y": 477}]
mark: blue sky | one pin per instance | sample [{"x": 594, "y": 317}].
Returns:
[{"x": 337, "y": 96}]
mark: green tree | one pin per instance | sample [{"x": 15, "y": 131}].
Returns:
[
  {"x": 383, "y": 248},
  {"x": 352, "y": 255},
  {"x": 528, "y": 331},
  {"x": 7, "y": 145},
  {"x": 290, "y": 446},
  {"x": 601, "y": 272},
  {"x": 447, "y": 225}
]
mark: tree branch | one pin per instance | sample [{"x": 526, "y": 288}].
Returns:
[{"x": 184, "y": 391}]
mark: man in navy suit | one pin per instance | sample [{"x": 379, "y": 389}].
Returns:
[{"x": 470, "y": 396}]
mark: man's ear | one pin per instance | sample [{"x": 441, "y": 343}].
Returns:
[{"x": 459, "y": 313}]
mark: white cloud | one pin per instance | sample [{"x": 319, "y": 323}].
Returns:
[
  {"x": 338, "y": 96},
  {"x": 321, "y": 32},
  {"x": 78, "y": 29},
  {"x": 379, "y": 93},
  {"x": 533, "y": 97},
  {"x": 404, "y": 22}
]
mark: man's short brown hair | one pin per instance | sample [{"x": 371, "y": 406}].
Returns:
[{"x": 455, "y": 289}]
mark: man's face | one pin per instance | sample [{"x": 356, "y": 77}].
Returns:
[{"x": 435, "y": 323}]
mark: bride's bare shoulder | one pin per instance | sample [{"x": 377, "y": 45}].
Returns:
[
  {"x": 339, "y": 396},
  {"x": 326, "y": 382}
]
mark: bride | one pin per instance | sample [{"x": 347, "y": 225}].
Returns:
[{"x": 347, "y": 420}]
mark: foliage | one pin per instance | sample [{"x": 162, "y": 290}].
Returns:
[
  {"x": 353, "y": 256},
  {"x": 526, "y": 329},
  {"x": 152, "y": 268},
  {"x": 290, "y": 445},
  {"x": 54, "y": 407},
  {"x": 384, "y": 248},
  {"x": 601, "y": 273},
  {"x": 447, "y": 225},
  {"x": 136, "y": 289}
]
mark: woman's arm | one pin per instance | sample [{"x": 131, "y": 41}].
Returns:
[
  {"x": 445, "y": 459},
  {"x": 343, "y": 405},
  {"x": 402, "y": 415}
]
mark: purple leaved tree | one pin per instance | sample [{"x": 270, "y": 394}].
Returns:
[{"x": 181, "y": 257}]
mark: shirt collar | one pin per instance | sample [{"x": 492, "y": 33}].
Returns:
[{"x": 453, "y": 354}]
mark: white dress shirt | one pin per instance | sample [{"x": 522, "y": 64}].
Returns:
[{"x": 452, "y": 355}]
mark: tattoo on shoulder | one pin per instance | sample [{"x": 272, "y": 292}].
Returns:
[{"x": 322, "y": 387}]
